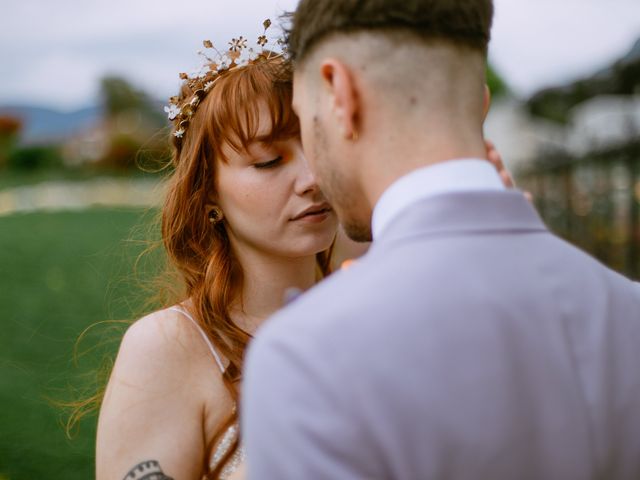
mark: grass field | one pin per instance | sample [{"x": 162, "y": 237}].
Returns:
[
  {"x": 20, "y": 178},
  {"x": 59, "y": 273}
]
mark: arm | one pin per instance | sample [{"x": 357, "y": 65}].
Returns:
[{"x": 151, "y": 416}]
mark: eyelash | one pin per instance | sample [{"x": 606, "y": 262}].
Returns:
[{"x": 269, "y": 164}]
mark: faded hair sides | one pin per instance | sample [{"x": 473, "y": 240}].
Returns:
[{"x": 462, "y": 22}]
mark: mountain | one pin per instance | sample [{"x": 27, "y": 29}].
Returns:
[
  {"x": 43, "y": 125},
  {"x": 634, "y": 54}
]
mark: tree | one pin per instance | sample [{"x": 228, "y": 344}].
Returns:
[
  {"x": 497, "y": 85},
  {"x": 121, "y": 97},
  {"x": 132, "y": 122},
  {"x": 9, "y": 132}
]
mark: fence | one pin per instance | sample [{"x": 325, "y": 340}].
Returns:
[{"x": 593, "y": 202}]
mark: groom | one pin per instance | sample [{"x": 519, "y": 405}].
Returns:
[{"x": 469, "y": 342}]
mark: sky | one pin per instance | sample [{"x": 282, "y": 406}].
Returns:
[{"x": 53, "y": 52}]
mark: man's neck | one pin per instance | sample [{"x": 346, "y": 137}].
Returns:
[{"x": 411, "y": 152}]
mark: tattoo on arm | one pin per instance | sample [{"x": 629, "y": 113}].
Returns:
[{"x": 149, "y": 470}]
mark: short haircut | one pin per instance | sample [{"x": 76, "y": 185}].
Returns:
[{"x": 461, "y": 22}]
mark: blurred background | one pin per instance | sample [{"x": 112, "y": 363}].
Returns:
[{"x": 82, "y": 86}]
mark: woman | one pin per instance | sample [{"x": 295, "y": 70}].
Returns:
[{"x": 243, "y": 222}]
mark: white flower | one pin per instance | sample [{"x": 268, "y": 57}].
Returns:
[
  {"x": 253, "y": 55},
  {"x": 243, "y": 62},
  {"x": 172, "y": 111},
  {"x": 179, "y": 133},
  {"x": 224, "y": 65},
  {"x": 201, "y": 73},
  {"x": 208, "y": 86},
  {"x": 237, "y": 44}
]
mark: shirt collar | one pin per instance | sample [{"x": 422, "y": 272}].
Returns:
[{"x": 460, "y": 175}]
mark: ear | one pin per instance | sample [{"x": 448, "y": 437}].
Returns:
[
  {"x": 338, "y": 81},
  {"x": 487, "y": 102}
]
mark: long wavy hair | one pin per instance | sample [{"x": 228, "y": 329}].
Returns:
[{"x": 201, "y": 253}]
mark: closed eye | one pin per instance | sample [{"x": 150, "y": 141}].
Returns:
[{"x": 269, "y": 164}]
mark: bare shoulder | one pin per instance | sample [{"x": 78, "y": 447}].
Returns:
[
  {"x": 165, "y": 390},
  {"x": 159, "y": 341},
  {"x": 166, "y": 351},
  {"x": 162, "y": 333}
]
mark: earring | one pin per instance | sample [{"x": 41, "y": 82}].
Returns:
[
  {"x": 354, "y": 136},
  {"x": 215, "y": 215}
]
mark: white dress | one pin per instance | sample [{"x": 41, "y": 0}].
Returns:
[{"x": 232, "y": 433}]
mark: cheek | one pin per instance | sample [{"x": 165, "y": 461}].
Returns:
[{"x": 253, "y": 202}]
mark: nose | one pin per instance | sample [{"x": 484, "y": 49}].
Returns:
[{"x": 305, "y": 182}]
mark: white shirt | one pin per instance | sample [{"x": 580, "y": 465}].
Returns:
[{"x": 463, "y": 175}]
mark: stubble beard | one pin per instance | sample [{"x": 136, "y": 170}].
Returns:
[{"x": 338, "y": 191}]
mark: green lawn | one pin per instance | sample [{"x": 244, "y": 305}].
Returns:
[
  {"x": 19, "y": 178},
  {"x": 59, "y": 273}
]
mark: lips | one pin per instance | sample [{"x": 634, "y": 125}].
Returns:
[{"x": 319, "y": 209}]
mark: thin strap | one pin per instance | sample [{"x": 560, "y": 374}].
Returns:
[{"x": 204, "y": 335}]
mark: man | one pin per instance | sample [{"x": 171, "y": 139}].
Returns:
[{"x": 469, "y": 342}]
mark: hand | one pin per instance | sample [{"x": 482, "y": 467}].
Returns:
[{"x": 495, "y": 159}]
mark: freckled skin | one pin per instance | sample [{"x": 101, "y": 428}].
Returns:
[{"x": 260, "y": 199}]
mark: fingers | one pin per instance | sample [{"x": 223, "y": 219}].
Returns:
[
  {"x": 495, "y": 159},
  {"x": 507, "y": 179},
  {"x": 489, "y": 144},
  {"x": 494, "y": 156},
  {"x": 528, "y": 196}
]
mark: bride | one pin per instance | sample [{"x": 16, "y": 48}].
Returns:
[{"x": 243, "y": 222}]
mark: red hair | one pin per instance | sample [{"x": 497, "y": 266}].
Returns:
[{"x": 202, "y": 254}]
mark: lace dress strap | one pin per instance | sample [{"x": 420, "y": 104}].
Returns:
[{"x": 203, "y": 334}]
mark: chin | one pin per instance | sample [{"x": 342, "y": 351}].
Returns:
[
  {"x": 318, "y": 244},
  {"x": 314, "y": 242}
]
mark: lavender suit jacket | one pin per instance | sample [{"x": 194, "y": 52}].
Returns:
[{"x": 469, "y": 343}]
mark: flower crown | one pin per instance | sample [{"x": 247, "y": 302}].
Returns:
[{"x": 215, "y": 64}]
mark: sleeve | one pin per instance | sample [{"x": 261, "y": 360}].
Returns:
[{"x": 297, "y": 420}]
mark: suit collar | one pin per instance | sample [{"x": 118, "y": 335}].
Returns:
[
  {"x": 464, "y": 212},
  {"x": 458, "y": 175}
]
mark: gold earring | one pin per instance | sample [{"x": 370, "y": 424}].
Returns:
[
  {"x": 215, "y": 215},
  {"x": 354, "y": 136}
]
